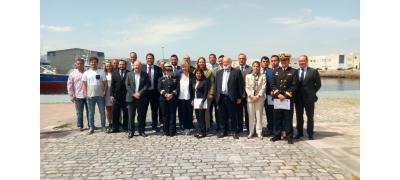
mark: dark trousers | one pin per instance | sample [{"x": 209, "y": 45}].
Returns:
[
  {"x": 283, "y": 118},
  {"x": 243, "y": 107},
  {"x": 201, "y": 120},
  {"x": 185, "y": 112},
  {"x": 228, "y": 112},
  {"x": 168, "y": 109},
  {"x": 133, "y": 107},
  {"x": 300, "y": 106},
  {"x": 119, "y": 105},
  {"x": 269, "y": 112},
  {"x": 214, "y": 104},
  {"x": 153, "y": 100}
]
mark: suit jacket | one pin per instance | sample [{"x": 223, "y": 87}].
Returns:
[
  {"x": 117, "y": 88},
  {"x": 247, "y": 70},
  {"x": 131, "y": 86},
  {"x": 307, "y": 89},
  {"x": 168, "y": 85},
  {"x": 250, "y": 84},
  {"x": 201, "y": 91},
  {"x": 284, "y": 82},
  {"x": 268, "y": 74},
  {"x": 235, "y": 85},
  {"x": 157, "y": 74},
  {"x": 191, "y": 85},
  {"x": 178, "y": 71}
]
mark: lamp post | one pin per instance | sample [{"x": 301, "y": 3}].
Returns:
[{"x": 162, "y": 49}]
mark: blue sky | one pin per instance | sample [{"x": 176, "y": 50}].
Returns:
[{"x": 197, "y": 28}]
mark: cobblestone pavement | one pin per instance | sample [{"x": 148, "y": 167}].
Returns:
[
  {"x": 104, "y": 156},
  {"x": 75, "y": 155}
]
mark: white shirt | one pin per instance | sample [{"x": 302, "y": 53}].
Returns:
[
  {"x": 152, "y": 76},
  {"x": 94, "y": 81},
  {"x": 184, "y": 89},
  {"x": 305, "y": 72},
  {"x": 225, "y": 79},
  {"x": 137, "y": 81}
]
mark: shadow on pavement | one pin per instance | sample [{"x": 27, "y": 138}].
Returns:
[{"x": 55, "y": 134}]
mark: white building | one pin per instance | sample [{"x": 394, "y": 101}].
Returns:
[
  {"x": 335, "y": 61},
  {"x": 63, "y": 60}
]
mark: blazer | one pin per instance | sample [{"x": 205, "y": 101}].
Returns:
[
  {"x": 118, "y": 89},
  {"x": 284, "y": 82},
  {"x": 308, "y": 88},
  {"x": 235, "y": 85},
  {"x": 131, "y": 86},
  {"x": 157, "y": 74},
  {"x": 168, "y": 85},
  {"x": 247, "y": 70},
  {"x": 250, "y": 83},
  {"x": 201, "y": 91},
  {"x": 178, "y": 71},
  {"x": 191, "y": 85},
  {"x": 268, "y": 74}
]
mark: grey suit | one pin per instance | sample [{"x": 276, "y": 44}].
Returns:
[
  {"x": 136, "y": 104},
  {"x": 246, "y": 70}
]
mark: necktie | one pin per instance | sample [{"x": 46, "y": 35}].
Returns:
[
  {"x": 149, "y": 72},
  {"x": 302, "y": 75},
  {"x": 241, "y": 68},
  {"x": 122, "y": 74}
]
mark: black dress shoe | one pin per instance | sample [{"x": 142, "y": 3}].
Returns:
[
  {"x": 197, "y": 135},
  {"x": 273, "y": 139},
  {"x": 290, "y": 141},
  {"x": 130, "y": 135},
  {"x": 142, "y": 134},
  {"x": 201, "y": 136},
  {"x": 112, "y": 131},
  {"x": 221, "y": 135},
  {"x": 298, "y": 136},
  {"x": 236, "y": 136},
  {"x": 310, "y": 137}
]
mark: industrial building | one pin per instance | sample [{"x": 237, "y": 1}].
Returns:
[{"x": 63, "y": 60}]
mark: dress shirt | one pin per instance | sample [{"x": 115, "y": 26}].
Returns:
[
  {"x": 152, "y": 76},
  {"x": 137, "y": 81},
  {"x": 74, "y": 84},
  {"x": 225, "y": 79}
]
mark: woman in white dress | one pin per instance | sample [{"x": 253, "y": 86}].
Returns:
[
  {"x": 108, "y": 71},
  {"x": 255, "y": 89}
]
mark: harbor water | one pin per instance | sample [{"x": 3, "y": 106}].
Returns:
[{"x": 331, "y": 88}]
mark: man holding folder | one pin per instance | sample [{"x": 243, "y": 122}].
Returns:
[{"x": 283, "y": 83}]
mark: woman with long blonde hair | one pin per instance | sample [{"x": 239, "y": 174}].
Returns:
[{"x": 108, "y": 68}]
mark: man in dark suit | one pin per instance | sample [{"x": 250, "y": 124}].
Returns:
[
  {"x": 117, "y": 96},
  {"x": 269, "y": 108},
  {"x": 229, "y": 89},
  {"x": 153, "y": 72},
  {"x": 137, "y": 83},
  {"x": 244, "y": 69},
  {"x": 176, "y": 70},
  {"x": 284, "y": 83},
  {"x": 306, "y": 96}
]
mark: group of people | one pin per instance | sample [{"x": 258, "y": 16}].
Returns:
[{"x": 233, "y": 93}]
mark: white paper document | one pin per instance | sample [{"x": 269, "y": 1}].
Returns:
[
  {"x": 197, "y": 102},
  {"x": 270, "y": 101},
  {"x": 285, "y": 104}
]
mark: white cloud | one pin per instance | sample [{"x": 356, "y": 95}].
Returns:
[
  {"x": 316, "y": 22},
  {"x": 163, "y": 30},
  {"x": 57, "y": 28}
]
